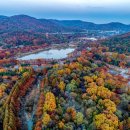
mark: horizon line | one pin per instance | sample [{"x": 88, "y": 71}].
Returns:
[{"x": 63, "y": 19}]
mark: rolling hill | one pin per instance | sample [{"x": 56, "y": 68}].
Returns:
[
  {"x": 31, "y": 24},
  {"x": 120, "y": 43},
  {"x": 26, "y": 30}
]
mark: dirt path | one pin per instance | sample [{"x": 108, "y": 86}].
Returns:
[{"x": 29, "y": 104}]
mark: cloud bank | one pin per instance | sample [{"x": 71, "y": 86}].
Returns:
[{"x": 99, "y": 11}]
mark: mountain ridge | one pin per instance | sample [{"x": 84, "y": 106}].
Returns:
[{"x": 28, "y": 23}]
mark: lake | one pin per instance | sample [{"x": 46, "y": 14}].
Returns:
[{"x": 49, "y": 54}]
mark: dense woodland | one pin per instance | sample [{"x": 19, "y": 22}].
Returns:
[
  {"x": 79, "y": 94},
  {"x": 83, "y": 95},
  {"x": 88, "y": 90},
  {"x": 120, "y": 44}
]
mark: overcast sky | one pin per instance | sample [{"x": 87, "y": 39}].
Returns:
[{"x": 98, "y": 11}]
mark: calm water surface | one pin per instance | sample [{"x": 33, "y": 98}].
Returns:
[{"x": 49, "y": 54}]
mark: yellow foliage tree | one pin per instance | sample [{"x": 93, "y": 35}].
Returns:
[
  {"x": 61, "y": 86},
  {"x": 100, "y": 82},
  {"x": 60, "y": 72},
  {"x": 98, "y": 91},
  {"x": 46, "y": 119},
  {"x": 109, "y": 105},
  {"x": 88, "y": 79},
  {"x": 50, "y": 102},
  {"x": 61, "y": 124},
  {"x": 103, "y": 92},
  {"x": 72, "y": 112},
  {"x": 67, "y": 71},
  {"x": 106, "y": 121}
]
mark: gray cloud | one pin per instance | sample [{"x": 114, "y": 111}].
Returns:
[{"x": 89, "y": 10}]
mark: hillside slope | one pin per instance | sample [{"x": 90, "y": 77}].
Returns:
[
  {"x": 120, "y": 44},
  {"x": 27, "y": 23}
]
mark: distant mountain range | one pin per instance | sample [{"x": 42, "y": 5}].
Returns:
[
  {"x": 31, "y": 24},
  {"x": 25, "y": 30}
]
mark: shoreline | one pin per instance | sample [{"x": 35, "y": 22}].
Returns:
[
  {"x": 32, "y": 52},
  {"x": 43, "y": 49}
]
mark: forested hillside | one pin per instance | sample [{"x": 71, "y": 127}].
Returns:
[{"x": 120, "y": 44}]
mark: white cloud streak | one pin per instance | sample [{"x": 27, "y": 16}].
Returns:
[{"x": 67, "y": 2}]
